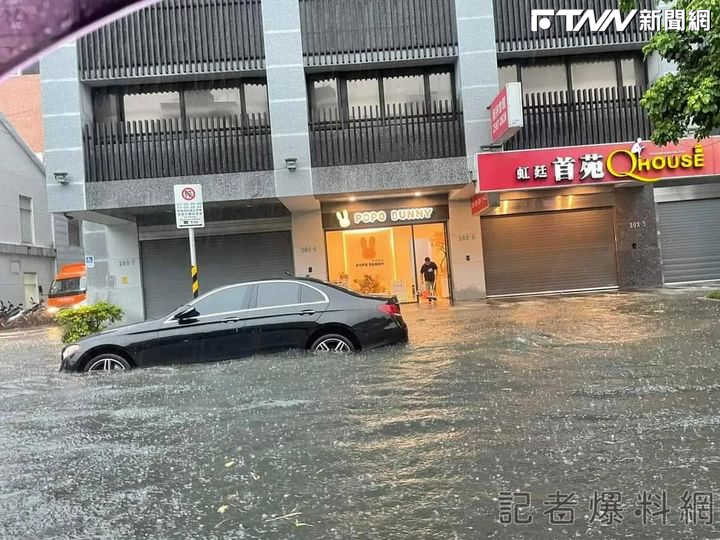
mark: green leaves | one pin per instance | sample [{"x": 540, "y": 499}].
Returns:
[
  {"x": 87, "y": 320},
  {"x": 689, "y": 97}
]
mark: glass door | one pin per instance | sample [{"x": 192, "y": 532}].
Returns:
[{"x": 430, "y": 240}]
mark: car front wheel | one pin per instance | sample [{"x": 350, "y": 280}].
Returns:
[
  {"x": 107, "y": 362},
  {"x": 332, "y": 343}
]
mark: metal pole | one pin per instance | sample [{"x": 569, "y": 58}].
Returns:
[{"x": 193, "y": 264}]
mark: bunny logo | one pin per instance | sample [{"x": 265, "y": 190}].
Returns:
[
  {"x": 368, "y": 248},
  {"x": 343, "y": 218}
]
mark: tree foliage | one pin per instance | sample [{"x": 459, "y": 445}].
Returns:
[
  {"x": 87, "y": 320},
  {"x": 690, "y": 96}
]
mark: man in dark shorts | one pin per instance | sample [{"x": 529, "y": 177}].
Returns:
[{"x": 429, "y": 272}]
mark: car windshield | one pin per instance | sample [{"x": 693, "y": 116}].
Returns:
[{"x": 67, "y": 287}]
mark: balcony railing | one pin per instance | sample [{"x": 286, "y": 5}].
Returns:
[
  {"x": 169, "y": 148},
  {"x": 371, "y": 135},
  {"x": 354, "y": 31},
  {"x": 598, "y": 116},
  {"x": 515, "y": 38},
  {"x": 176, "y": 37}
]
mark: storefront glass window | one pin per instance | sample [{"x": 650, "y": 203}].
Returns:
[
  {"x": 386, "y": 261},
  {"x": 256, "y": 101},
  {"x": 551, "y": 78},
  {"x": 631, "y": 72},
  {"x": 214, "y": 102},
  {"x": 325, "y": 100},
  {"x": 363, "y": 98},
  {"x": 106, "y": 108},
  {"x": 507, "y": 74},
  {"x": 590, "y": 75},
  {"x": 441, "y": 88},
  {"x": 401, "y": 92},
  {"x": 154, "y": 106}
]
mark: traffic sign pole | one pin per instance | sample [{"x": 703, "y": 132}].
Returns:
[
  {"x": 193, "y": 264},
  {"x": 189, "y": 214}
]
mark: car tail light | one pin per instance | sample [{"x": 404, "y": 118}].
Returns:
[{"x": 390, "y": 309}]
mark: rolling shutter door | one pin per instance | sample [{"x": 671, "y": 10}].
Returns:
[
  {"x": 690, "y": 240},
  {"x": 549, "y": 252},
  {"x": 221, "y": 260}
]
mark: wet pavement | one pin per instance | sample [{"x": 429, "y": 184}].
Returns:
[{"x": 601, "y": 393}]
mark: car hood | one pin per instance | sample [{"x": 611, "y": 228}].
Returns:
[{"x": 128, "y": 329}]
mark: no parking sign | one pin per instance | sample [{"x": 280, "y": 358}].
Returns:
[{"x": 189, "y": 212}]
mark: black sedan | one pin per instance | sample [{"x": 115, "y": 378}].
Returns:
[{"x": 243, "y": 319}]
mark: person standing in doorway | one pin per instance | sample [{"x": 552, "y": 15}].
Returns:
[{"x": 429, "y": 272}]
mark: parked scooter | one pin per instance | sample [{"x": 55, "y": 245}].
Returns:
[{"x": 14, "y": 315}]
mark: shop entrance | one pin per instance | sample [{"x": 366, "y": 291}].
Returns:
[{"x": 386, "y": 260}]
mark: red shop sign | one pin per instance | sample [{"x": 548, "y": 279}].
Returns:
[
  {"x": 597, "y": 164},
  {"x": 506, "y": 113},
  {"x": 479, "y": 202}
]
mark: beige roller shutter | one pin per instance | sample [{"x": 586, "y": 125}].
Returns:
[{"x": 549, "y": 252}]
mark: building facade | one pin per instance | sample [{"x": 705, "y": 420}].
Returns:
[
  {"x": 27, "y": 255},
  {"x": 21, "y": 105},
  {"x": 337, "y": 140}
]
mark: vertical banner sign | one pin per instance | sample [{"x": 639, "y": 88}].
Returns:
[
  {"x": 190, "y": 215},
  {"x": 506, "y": 113}
]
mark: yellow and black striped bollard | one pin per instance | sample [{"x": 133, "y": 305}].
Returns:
[{"x": 195, "y": 282}]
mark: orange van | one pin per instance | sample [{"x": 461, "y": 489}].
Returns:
[{"x": 69, "y": 288}]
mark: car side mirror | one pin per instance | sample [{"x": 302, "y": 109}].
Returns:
[{"x": 186, "y": 314}]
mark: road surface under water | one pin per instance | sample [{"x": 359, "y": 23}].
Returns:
[{"x": 607, "y": 393}]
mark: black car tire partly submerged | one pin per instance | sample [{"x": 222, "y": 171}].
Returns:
[
  {"x": 107, "y": 362},
  {"x": 332, "y": 343}
]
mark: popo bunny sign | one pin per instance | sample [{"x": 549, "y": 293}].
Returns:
[{"x": 348, "y": 219}]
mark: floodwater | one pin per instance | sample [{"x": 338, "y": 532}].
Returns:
[{"x": 601, "y": 396}]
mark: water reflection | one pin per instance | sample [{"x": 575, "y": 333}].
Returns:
[{"x": 609, "y": 391}]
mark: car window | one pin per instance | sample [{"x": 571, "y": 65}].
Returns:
[
  {"x": 277, "y": 294},
  {"x": 224, "y": 301},
  {"x": 308, "y": 294}
]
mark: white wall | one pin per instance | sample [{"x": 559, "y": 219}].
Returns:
[
  {"x": 466, "y": 253},
  {"x": 12, "y": 268},
  {"x": 19, "y": 175},
  {"x": 116, "y": 276},
  {"x": 308, "y": 240}
]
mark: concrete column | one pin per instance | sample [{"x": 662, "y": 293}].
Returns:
[
  {"x": 466, "y": 252},
  {"x": 287, "y": 96},
  {"x": 117, "y": 275},
  {"x": 308, "y": 239},
  {"x": 636, "y": 234},
  {"x": 66, "y": 107},
  {"x": 478, "y": 73}
]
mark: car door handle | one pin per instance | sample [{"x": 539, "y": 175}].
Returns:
[
  {"x": 231, "y": 319},
  {"x": 307, "y": 312}
]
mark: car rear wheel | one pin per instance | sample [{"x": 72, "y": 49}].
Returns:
[
  {"x": 107, "y": 362},
  {"x": 332, "y": 343}
]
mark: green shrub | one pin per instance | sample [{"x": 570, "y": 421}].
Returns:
[
  {"x": 86, "y": 320},
  {"x": 714, "y": 295}
]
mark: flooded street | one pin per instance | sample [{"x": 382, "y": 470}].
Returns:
[{"x": 606, "y": 392}]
